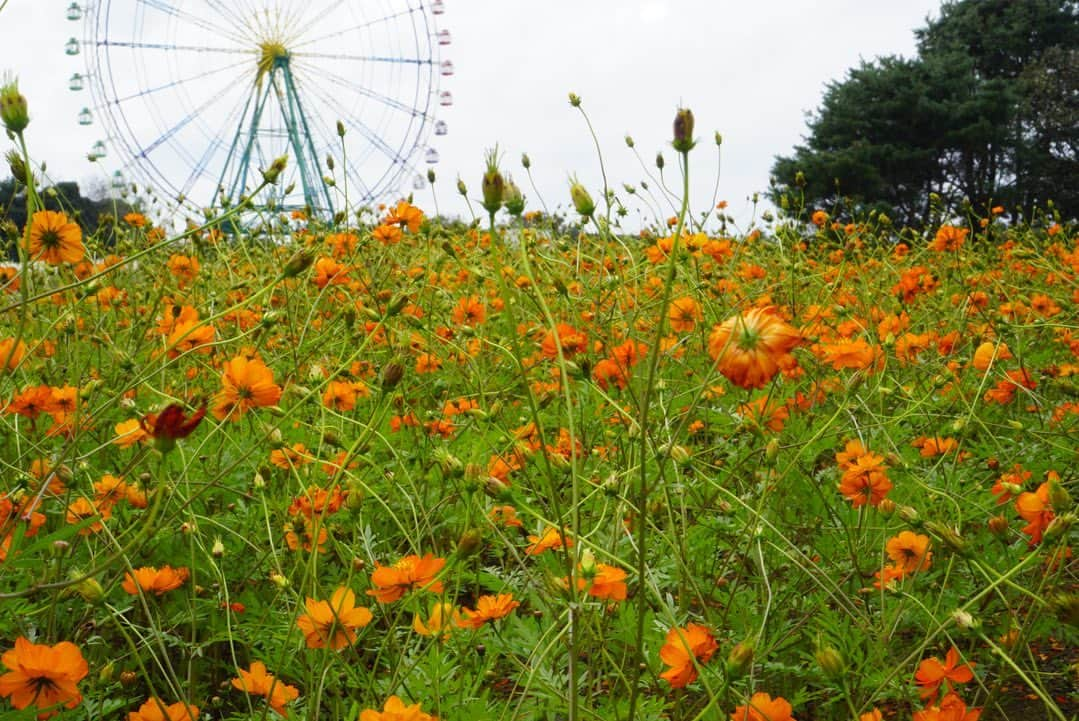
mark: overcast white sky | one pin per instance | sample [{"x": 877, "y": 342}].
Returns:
[{"x": 747, "y": 69}]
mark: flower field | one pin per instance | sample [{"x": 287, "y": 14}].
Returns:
[{"x": 397, "y": 468}]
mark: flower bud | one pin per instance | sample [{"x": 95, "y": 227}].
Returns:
[
  {"x": 340, "y": 129},
  {"x": 660, "y": 162},
  {"x": 629, "y": 141},
  {"x": 683, "y": 130},
  {"x": 392, "y": 374},
  {"x": 719, "y": 139},
  {"x": 431, "y": 175},
  {"x": 1059, "y": 498},
  {"x": 830, "y": 661},
  {"x": 1059, "y": 526},
  {"x": 461, "y": 187},
  {"x": 582, "y": 201},
  {"x": 273, "y": 173},
  {"x": 89, "y": 588},
  {"x": 470, "y": 542},
  {"x": 998, "y": 526},
  {"x": 18, "y": 166},
  {"x": 279, "y": 580},
  {"x": 13, "y": 111},
  {"x": 886, "y": 507},
  {"x": 128, "y": 678},
  {"x": 1065, "y": 606},
  {"x": 298, "y": 263},
  {"x": 526, "y": 161},
  {"x": 740, "y": 659},
  {"x": 574, "y": 100},
  {"x": 218, "y": 549},
  {"x": 494, "y": 184},
  {"x": 964, "y": 619},
  {"x": 512, "y": 199}
]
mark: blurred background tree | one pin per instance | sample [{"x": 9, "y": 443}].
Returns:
[{"x": 987, "y": 111}]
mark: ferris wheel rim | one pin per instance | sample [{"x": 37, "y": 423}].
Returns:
[{"x": 321, "y": 87}]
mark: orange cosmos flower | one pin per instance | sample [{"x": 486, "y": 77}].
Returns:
[
  {"x": 129, "y": 432},
  {"x": 571, "y": 340},
  {"x": 683, "y": 650},
  {"x": 405, "y": 215},
  {"x": 156, "y": 581},
  {"x": 411, "y": 572},
  {"x": 387, "y": 234},
  {"x": 54, "y": 239},
  {"x": 910, "y": 551},
  {"x": 608, "y": 583},
  {"x": 488, "y": 608},
  {"x": 442, "y": 620},
  {"x": 506, "y": 515},
  {"x": 684, "y": 314},
  {"x": 43, "y": 676},
  {"x": 865, "y": 481},
  {"x": 469, "y": 311},
  {"x": 259, "y": 683},
  {"x": 245, "y": 384},
  {"x": 748, "y": 348},
  {"x": 550, "y": 539},
  {"x": 874, "y": 715},
  {"x": 951, "y": 708},
  {"x": 396, "y": 710},
  {"x": 184, "y": 268},
  {"x": 1037, "y": 511},
  {"x": 937, "y": 446},
  {"x": 155, "y": 710},
  {"x": 11, "y": 353},
  {"x": 932, "y": 673},
  {"x": 847, "y": 353},
  {"x": 333, "y": 624},
  {"x": 949, "y": 239},
  {"x": 988, "y": 352},
  {"x": 762, "y": 707}
]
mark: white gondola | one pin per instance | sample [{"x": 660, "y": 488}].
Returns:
[
  {"x": 444, "y": 37},
  {"x": 419, "y": 182},
  {"x": 432, "y": 156},
  {"x": 445, "y": 98},
  {"x": 99, "y": 149},
  {"x": 86, "y": 117},
  {"x": 117, "y": 180},
  {"x": 441, "y": 128},
  {"x": 76, "y": 83},
  {"x": 71, "y": 47},
  {"x": 437, "y": 7},
  {"x": 447, "y": 67},
  {"x": 74, "y": 11}
]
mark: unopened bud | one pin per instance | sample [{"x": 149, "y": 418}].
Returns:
[
  {"x": 470, "y": 542},
  {"x": 629, "y": 142},
  {"x": 1059, "y": 498},
  {"x": 886, "y": 507},
  {"x": 998, "y": 526},
  {"x": 461, "y": 187},
  {"x": 683, "y": 130},
  {"x": 273, "y": 173},
  {"x": 340, "y": 129},
  {"x": 830, "y": 661},
  {"x": 13, "y": 109},
  {"x": 574, "y": 100},
  {"x": 740, "y": 659},
  {"x": 963, "y": 619},
  {"x": 493, "y": 184},
  {"x": 18, "y": 166},
  {"x": 526, "y": 161},
  {"x": 218, "y": 549},
  {"x": 279, "y": 580},
  {"x": 392, "y": 374},
  {"x": 298, "y": 263},
  {"x": 660, "y": 162},
  {"x": 582, "y": 201},
  {"x": 1059, "y": 526}
]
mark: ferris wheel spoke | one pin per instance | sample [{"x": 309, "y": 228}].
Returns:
[
  {"x": 179, "y": 82},
  {"x": 169, "y": 9},
  {"x": 173, "y": 48},
  {"x": 386, "y": 100},
  {"x": 359, "y": 126},
  {"x": 184, "y": 122},
  {"x": 229, "y": 14},
  {"x": 352, "y": 29},
  {"x": 215, "y": 144},
  {"x": 367, "y": 58}
]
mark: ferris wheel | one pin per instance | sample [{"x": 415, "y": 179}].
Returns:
[{"x": 196, "y": 96}]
